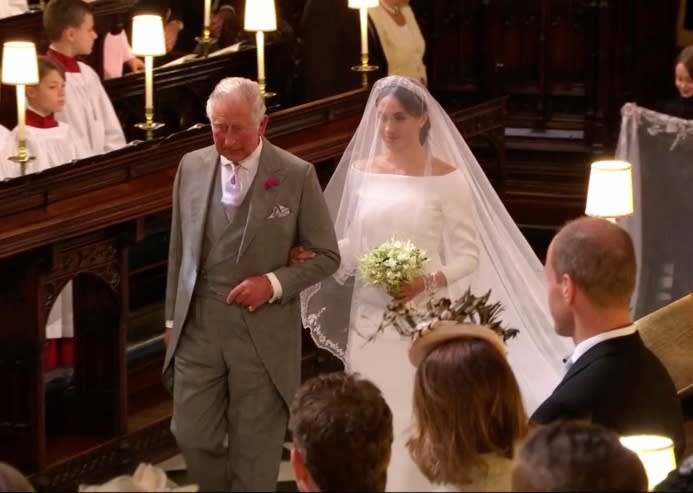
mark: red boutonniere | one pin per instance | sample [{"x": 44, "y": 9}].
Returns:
[{"x": 271, "y": 183}]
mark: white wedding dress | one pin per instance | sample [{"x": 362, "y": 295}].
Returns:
[
  {"x": 468, "y": 235},
  {"x": 390, "y": 206},
  {"x": 434, "y": 213}
]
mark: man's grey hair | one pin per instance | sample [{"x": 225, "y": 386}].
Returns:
[{"x": 239, "y": 87}]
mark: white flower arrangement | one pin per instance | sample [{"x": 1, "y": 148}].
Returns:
[{"x": 391, "y": 263}]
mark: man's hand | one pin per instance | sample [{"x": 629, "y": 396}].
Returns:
[
  {"x": 135, "y": 64},
  {"x": 251, "y": 293},
  {"x": 298, "y": 255},
  {"x": 167, "y": 336}
]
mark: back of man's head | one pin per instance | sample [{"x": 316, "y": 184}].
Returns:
[
  {"x": 13, "y": 480},
  {"x": 600, "y": 259},
  {"x": 573, "y": 456},
  {"x": 342, "y": 429},
  {"x": 61, "y": 14}
]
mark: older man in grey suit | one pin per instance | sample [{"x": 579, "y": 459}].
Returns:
[{"x": 232, "y": 309}]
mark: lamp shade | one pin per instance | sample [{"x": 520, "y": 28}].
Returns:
[
  {"x": 610, "y": 189},
  {"x": 148, "y": 35},
  {"x": 362, "y": 4},
  {"x": 260, "y": 15},
  {"x": 19, "y": 63},
  {"x": 655, "y": 452}
]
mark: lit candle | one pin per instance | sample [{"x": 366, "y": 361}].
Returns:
[
  {"x": 21, "y": 112},
  {"x": 260, "y": 42},
  {"x": 364, "y": 30},
  {"x": 148, "y": 81},
  {"x": 208, "y": 10}
]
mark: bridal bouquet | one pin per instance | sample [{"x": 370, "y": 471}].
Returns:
[{"x": 391, "y": 263}]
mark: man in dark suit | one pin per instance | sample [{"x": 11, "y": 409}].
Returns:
[
  {"x": 612, "y": 378},
  {"x": 232, "y": 303}
]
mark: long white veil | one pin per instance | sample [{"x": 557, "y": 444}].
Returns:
[
  {"x": 659, "y": 148},
  {"x": 507, "y": 265}
]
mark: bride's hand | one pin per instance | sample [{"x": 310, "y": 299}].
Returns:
[{"x": 409, "y": 289}]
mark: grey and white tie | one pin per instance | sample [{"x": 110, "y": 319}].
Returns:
[{"x": 233, "y": 190}]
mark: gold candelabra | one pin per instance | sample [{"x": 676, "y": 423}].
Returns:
[
  {"x": 205, "y": 41},
  {"x": 19, "y": 68},
  {"x": 364, "y": 67},
  {"x": 148, "y": 41}
]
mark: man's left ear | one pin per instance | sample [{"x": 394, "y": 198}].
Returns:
[
  {"x": 263, "y": 125},
  {"x": 298, "y": 465},
  {"x": 567, "y": 288}
]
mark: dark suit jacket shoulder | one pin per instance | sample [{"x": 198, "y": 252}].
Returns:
[{"x": 622, "y": 385}]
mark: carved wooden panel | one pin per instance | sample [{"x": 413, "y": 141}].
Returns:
[
  {"x": 565, "y": 64},
  {"x": 86, "y": 467},
  {"x": 88, "y": 253}
]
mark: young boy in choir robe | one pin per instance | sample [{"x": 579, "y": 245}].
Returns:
[
  {"x": 49, "y": 141},
  {"x": 7, "y": 149},
  {"x": 69, "y": 25}
]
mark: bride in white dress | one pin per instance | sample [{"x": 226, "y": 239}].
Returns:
[{"x": 408, "y": 174}]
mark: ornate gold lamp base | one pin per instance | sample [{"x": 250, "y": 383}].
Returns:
[
  {"x": 149, "y": 125},
  {"x": 265, "y": 94},
  {"x": 22, "y": 159},
  {"x": 364, "y": 68},
  {"x": 150, "y": 128},
  {"x": 205, "y": 41}
]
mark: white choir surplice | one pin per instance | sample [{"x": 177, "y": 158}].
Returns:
[
  {"x": 90, "y": 112},
  {"x": 9, "y": 8},
  {"x": 52, "y": 147},
  {"x": 7, "y": 149}
]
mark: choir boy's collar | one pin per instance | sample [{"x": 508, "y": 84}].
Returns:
[{"x": 67, "y": 61}]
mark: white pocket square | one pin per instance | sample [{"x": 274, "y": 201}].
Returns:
[{"x": 279, "y": 211}]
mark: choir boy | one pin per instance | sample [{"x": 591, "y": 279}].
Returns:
[{"x": 69, "y": 25}]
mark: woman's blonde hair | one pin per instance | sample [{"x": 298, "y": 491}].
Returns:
[{"x": 466, "y": 403}]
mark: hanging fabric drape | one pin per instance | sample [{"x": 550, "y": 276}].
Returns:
[{"x": 660, "y": 149}]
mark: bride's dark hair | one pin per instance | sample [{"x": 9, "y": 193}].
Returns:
[{"x": 412, "y": 104}]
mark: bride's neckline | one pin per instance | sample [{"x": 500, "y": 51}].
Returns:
[{"x": 385, "y": 173}]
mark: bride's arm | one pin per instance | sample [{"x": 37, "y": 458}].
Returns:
[
  {"x": 460, "y": 239},
  {"x": 347, "y": 267}
]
